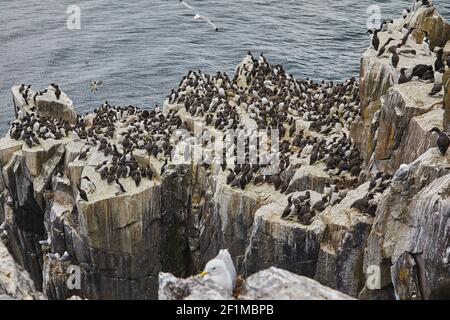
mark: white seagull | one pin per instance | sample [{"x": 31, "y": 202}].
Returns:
[
  {"x": 221, "y": 271},
  {"x": 199, "y": 16}
]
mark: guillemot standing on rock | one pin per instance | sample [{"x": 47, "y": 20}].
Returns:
[
  {"x": 395, "y": 58},
  {"x": 437, "y": 88},
  {"x": 443, "y": 141},
  {"x": 289, "y": 208},
  {"x": 403, "y": 78},
  {"x": 82, "y": 194},
  {"x": 375, "y": 39},
  {"x": 439, "y": 64},
  {"x": 119, "y": 188},
  {"x": 426, "y": 44},
  {"x": 383, "y": 48}
]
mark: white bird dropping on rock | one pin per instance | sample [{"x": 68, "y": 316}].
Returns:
[{"x": 221, "y": 271}]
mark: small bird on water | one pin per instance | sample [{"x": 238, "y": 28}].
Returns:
[{"x": 93, "y": 86}]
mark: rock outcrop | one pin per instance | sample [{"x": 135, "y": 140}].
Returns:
[
  {"x": 409, "y": 241},
  {"x": 269, "y": 284},
  {"x": 381, "y": 96},
  {"x": 15, "y": 283},
  {"x": 179, "y": 219}
]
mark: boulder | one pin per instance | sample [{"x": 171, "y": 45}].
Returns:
[
  {"x": 429, "y": 19},
  {"x": 269, "y": 284}
]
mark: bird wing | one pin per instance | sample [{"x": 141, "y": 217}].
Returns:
[
  {"x": 187, "y": 5},
  {"x": 225, "y": 256},
  {"x": 206, "y": 19}
]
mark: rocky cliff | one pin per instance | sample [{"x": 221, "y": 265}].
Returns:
[{"x": 178, "y": 218}]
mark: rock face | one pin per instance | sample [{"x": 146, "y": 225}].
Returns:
[
  {"x": 379, "y": 89},
  {"x": 269, "y": 284},
  {"x": 340, "y": 259},
  {"x": 15, "y": 283},
  {"x": 286, "y": 244},
  {"x": 447, "y": 101},
  {"x": 181, "y": 218},
  {"x": 411, "y": 229},
  {"x": 48, "y": 106}
]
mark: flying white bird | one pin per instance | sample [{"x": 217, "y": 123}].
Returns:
[{"x": 199, "y": 16}]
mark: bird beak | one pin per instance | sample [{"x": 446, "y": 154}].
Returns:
[{"x": 204, "y": 273}]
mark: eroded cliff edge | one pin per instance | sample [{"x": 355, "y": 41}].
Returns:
[{"x": 180, "y": 218}]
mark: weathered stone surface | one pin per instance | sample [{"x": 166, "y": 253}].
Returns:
[
  {"x": 405, "y": 278},
  {"x": 376, "y": 77},
  {"x": 15, "y": 283},
  {"x": 195, "y": 288},
  {"x": 406, "y": 116},
  {"x": 430, "y": 20},
  {"x": 178, "y": 221},
  {"x": 283, "y": 243},
  {"x": 446, "y": 81},
  {"x": 7, "y": 148},
  {"x": 277, "y": 284},
  {"x": 47, "y": 106},
  {"x": 412, "y": 218},
  {"x": 269, "y": 284},
  {"x": 340, "y": 260}
]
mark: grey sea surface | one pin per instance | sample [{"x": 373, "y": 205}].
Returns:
[{"x": 141, "y": 49}]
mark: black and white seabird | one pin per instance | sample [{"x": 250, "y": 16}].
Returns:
[
  {"x": 89, "y": 184},
  {"x": 439, "y": 64},
  {"x": 101, "y": 165},
  {"x": 403, "y": 78},
  {"x": 137, "y": 178},
  {"x": 383, "y": 48},
  {"x": 119, "y": 188},
  {"x": 289, "y": 208},
  {"x": 443, "y": 141},
  {"x": 395, "y": 58},
  {"x": 406, "y": 36},
  {"x": 57, "y": 91},
  {"x": 426, "y": 44},
  {"x": 82, "y": 194},
  {"x": 375, "y": 39},
  {"x": 163, "y": 168}
]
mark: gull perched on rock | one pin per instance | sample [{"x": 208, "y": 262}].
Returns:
[
  {"x": 402, "y": 173},
  {"x": 221, "y": 271}
]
